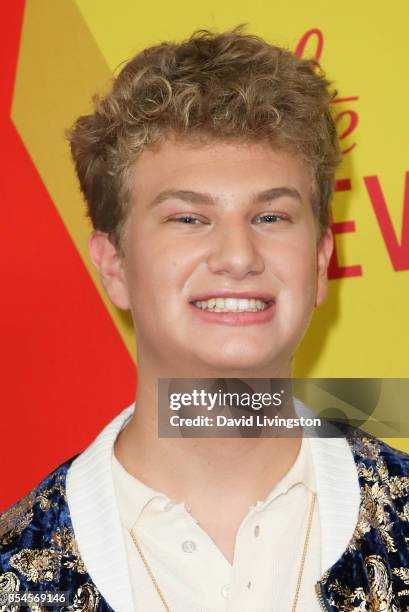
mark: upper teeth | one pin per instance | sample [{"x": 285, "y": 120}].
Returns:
[{"x": 232, "y": 305}]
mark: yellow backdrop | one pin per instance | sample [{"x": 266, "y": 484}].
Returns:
[{"x": 362, "y": 329}]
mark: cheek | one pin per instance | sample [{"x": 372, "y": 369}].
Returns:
[
  {"x": 154, "y": 281},
  {"x": 297, "y": 276},
  {"x": 295, "y": 264},
  {"x": 155, "y": 272}
]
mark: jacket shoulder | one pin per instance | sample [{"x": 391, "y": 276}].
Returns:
[
  {"x": 37, "y": 543},
  {"x": 383, "y": 470},
  {"x": 39, "y": 507},
  {"x": 369, "y": 449},
  {"x": 38, "y": 549},
  {"x": 395, "y": 456}
]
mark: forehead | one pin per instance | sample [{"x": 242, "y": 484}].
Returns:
[{"x": 217, "y": 165}]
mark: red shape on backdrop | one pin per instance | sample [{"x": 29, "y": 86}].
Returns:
[
  {"x": 305, "y": 38},
  {"x": 343, "y": 227},
  {"x": 343, "y": 185},
  {"x": 398, "y": 252},
  {"x": 352, "y": 125},
  {"x": 334, "y": 269},
  {"x": 65, "y": 371}
]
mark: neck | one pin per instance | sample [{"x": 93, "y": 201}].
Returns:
[{"x": 243, "y": 470}]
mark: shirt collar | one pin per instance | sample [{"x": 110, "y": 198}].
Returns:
[
  {"x": 301, "y": 472},
  {"x": 134, "y": 495}
]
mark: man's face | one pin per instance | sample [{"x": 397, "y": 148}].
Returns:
[{"x": 221, "y": 222}]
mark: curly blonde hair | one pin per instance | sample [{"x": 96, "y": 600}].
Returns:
[{"x": 230, "y": 85}]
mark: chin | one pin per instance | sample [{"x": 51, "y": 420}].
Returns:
[{"x": 242, "y": 362}]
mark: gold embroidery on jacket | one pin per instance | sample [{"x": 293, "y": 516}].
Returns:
[
  {"x": 64, "y": 540},
  {"x": 404, "y": 515},
  {"x": 16, "y": 518},
  {"x": 403, "y": 574},
  {"x": 377, "y": 498},
  {"x": 37, "y": 565},
  {"x": 9, "y": 583},
  {"x": 398, "y": 486},
  {"x": 367, "y": 448},
  {"x": 373, "y": 514},
  {"x": 86, "y": 599},
  {"x": 380, "y": 597},
  {"x": 352, "y": 599},
  {"x": 380, "y": 587},
  {"x": 43, "y": 500},
  {"x": 22, "y": 523},
  {"x": 44, "y": 495}
]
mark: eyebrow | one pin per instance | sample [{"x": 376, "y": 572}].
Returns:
[{"x": 196, "y": 197}]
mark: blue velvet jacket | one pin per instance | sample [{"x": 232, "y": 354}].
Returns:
[{"x": 38, "y": 550}]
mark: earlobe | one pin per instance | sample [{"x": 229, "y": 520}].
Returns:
[
  {"x": 324, "y": 252},
  {"x": 109, "y": 265}
]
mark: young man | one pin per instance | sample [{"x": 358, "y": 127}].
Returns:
[{"x": 208, "y": 171}]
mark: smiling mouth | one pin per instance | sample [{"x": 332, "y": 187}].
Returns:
[{"x": 233, "y": 305}]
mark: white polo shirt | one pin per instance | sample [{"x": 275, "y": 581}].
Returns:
[
  {"x": 99, "y": 532},
  {"x": 191, "y": 571}
]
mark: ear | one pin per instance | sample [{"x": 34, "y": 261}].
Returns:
[
  {"x": 324, "y": 252},
  {"x": 110, "y": 266}
]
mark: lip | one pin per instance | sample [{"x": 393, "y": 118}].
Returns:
[
  {"x": 226, "y": 293},
  {"x": 235, "y": 318}
]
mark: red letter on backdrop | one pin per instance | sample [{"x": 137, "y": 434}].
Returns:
[
  {"x": 344, "y": 227},
  {"x": 353, "y": 122},
  {"x": 398, "y": 253},
  {"x": 299, "y": 51}
]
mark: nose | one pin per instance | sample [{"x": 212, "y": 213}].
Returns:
[{"x": 235, "y": 253}]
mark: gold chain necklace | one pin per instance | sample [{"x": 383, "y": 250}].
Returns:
[{"x": 300, "y": 571}]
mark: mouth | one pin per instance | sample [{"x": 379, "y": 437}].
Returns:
[
  {"x": 234, "y": 310},
  {"x": 231, "y": 304}
]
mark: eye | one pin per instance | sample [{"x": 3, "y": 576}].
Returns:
[
  {"x": 272, "y": 218},
  {"x": 186, "y": 219}
]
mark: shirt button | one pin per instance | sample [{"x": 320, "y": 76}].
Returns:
[
  {"x": 226, "y": 591},
  {"x": 188, "y": 546},
  {"x": 257, "y": 530},
  {"x": 169, "y": 506}
]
